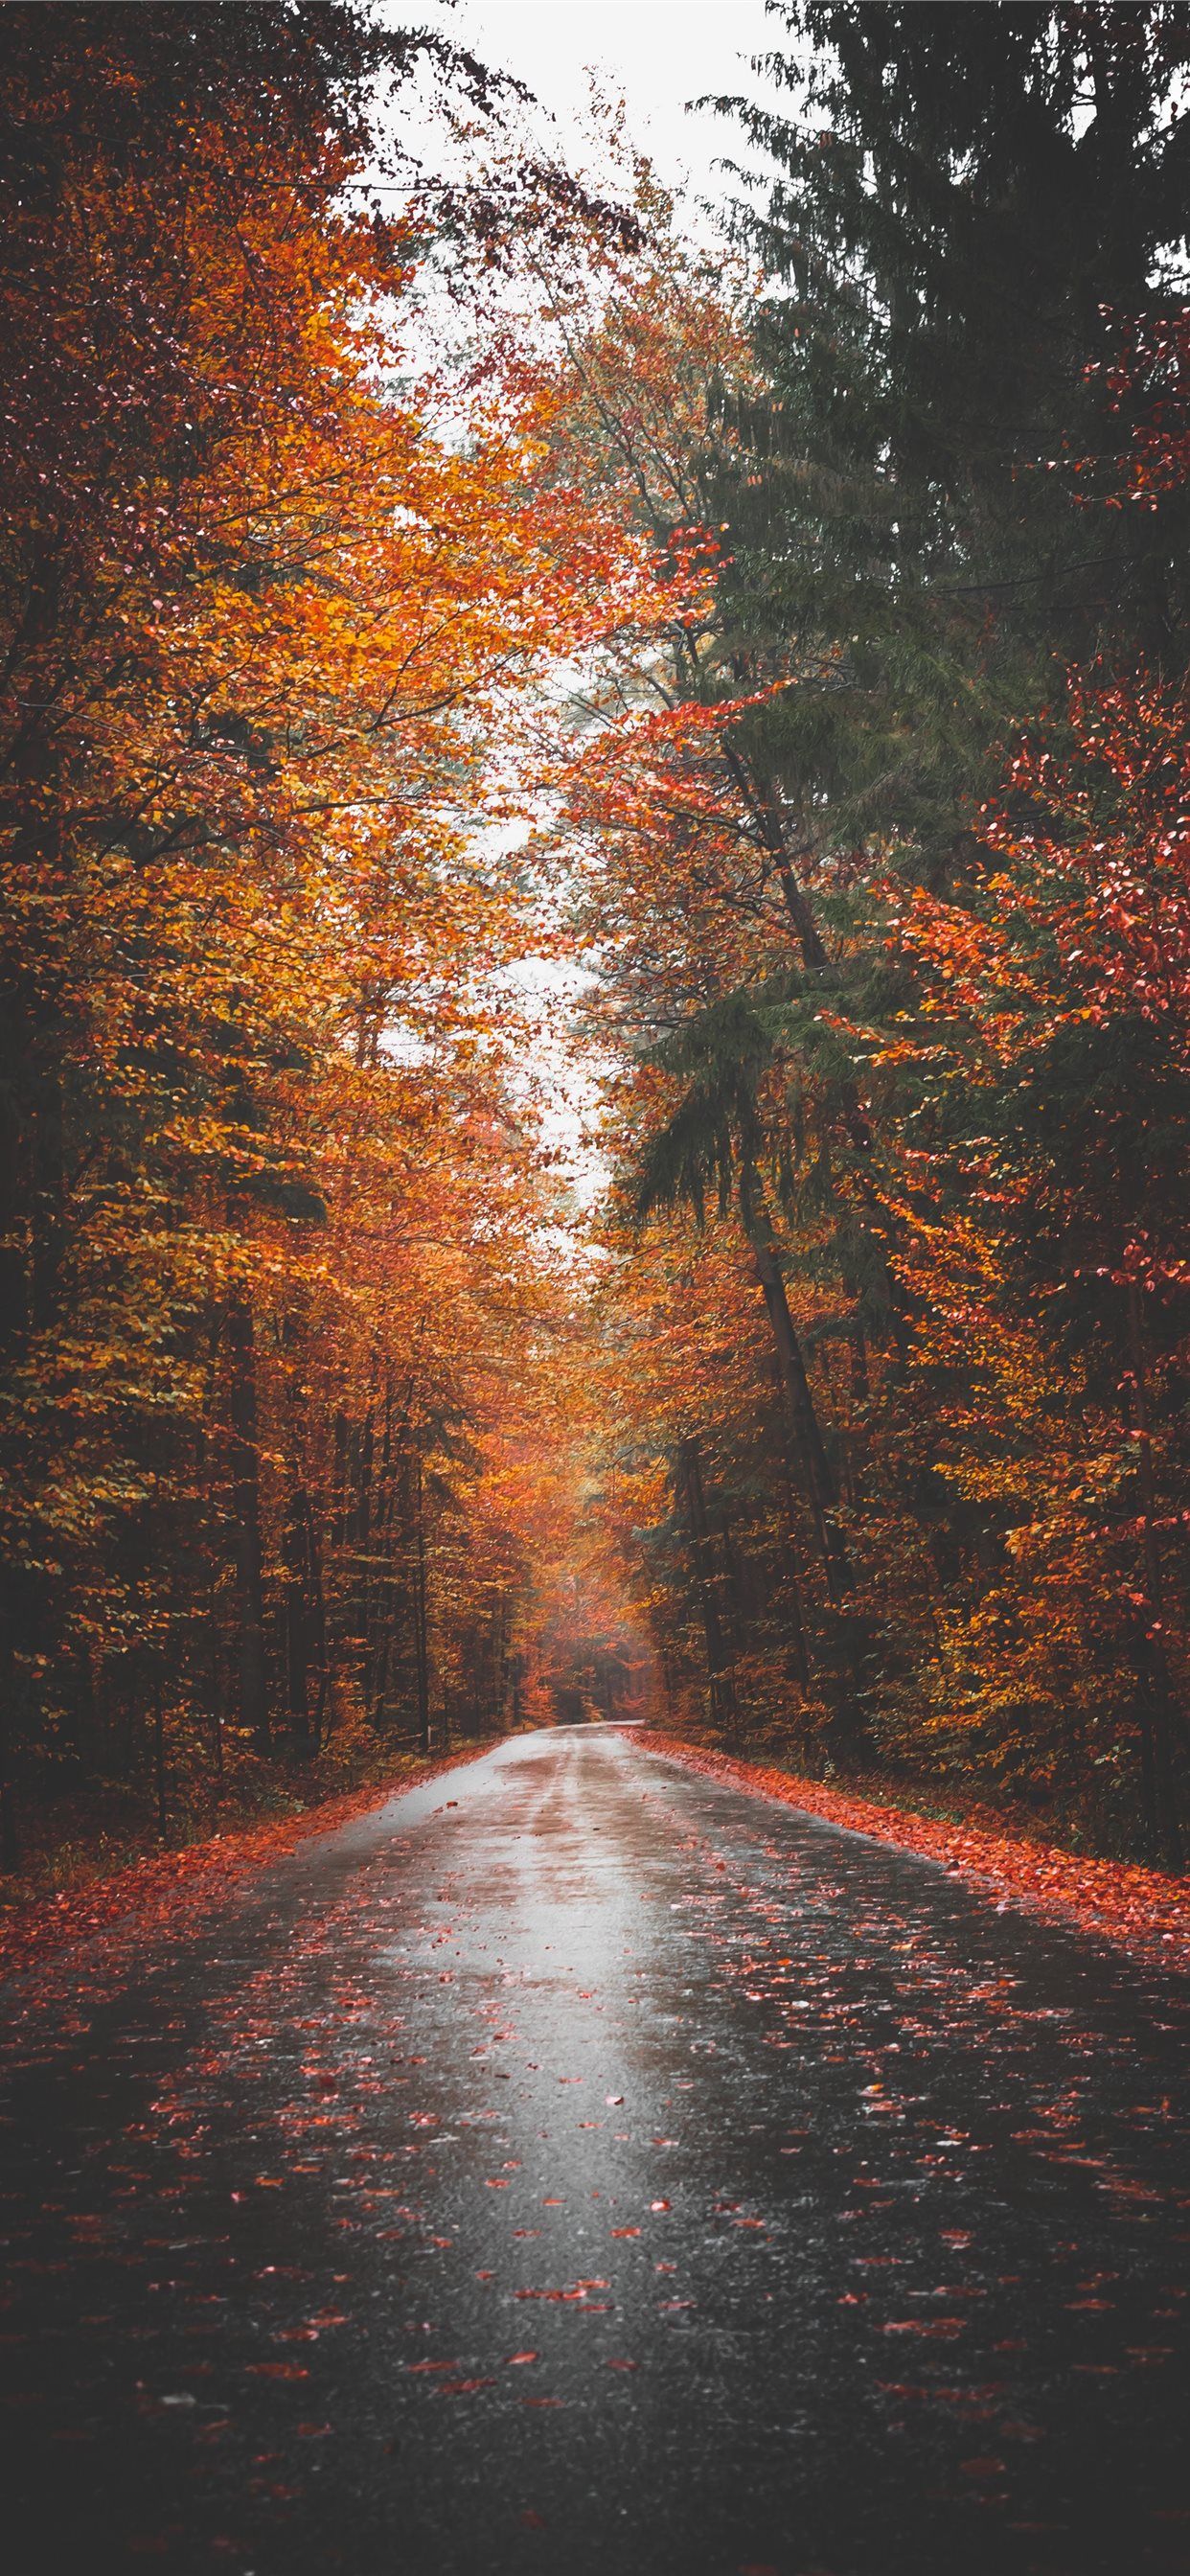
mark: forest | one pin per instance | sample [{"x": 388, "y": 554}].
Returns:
[{"x": 595, "y": 1046}]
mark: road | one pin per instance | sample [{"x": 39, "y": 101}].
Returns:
[{"x": 579, "y": 2165}]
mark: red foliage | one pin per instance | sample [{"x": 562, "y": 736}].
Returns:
[
  {"x": 1138, "y": 1909},
  {"x": 1151, "y": 380},
  {"x": 174, "y": 1889}
]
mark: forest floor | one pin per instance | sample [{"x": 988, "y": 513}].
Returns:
[
  {"x": 89, "y": 1862},
  {"x": 1141, "y": 1910}
]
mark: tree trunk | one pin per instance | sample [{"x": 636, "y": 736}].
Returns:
[
  {"x": 501, "y": 1633},
  {"x": 420, "y": 1619},
  {"x": 252, "y": 1672},
  {"x": 302, "y": 1611},
  {"x": 820, "y": 1481},
  {"x": 214, "y": 1672},
  {"x": 159, "y": 1761},
  {"x": 9, "y": 1839},
  {"x": 734, "y": 1570},
  {"x": 702, "y": 1550},
  {"x": 795, "y": 1616},
  {"x": 48, "y": 1232},
  {"x": 667, "y": 1687},
  {"x": 856, "y": 1435},
  {"x": 380, "y": 1573},
  {"x": 360, "y": 1527},
  {"x": 14, "y": 1276},
  {"x": 794, "y": 1609},
  {"x": 1156, "y": 1682},
  {"x": 1148, "y": 1785}
]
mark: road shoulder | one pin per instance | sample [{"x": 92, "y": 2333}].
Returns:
[{"x": 1138, "y": 1910}]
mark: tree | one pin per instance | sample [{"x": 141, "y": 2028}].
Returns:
[{"x": 268, "y": 627}]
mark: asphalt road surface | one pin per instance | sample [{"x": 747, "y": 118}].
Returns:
[{"x": 579, "y": 2165}]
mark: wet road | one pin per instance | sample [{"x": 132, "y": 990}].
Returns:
[{"x": 607, "y": 2171}]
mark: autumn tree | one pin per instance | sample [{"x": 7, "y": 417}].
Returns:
[
  {"x": 271, "y": 1203},
  {"x": 913, "y": 522}
]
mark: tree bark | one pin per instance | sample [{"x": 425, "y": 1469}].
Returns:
[
  {"x": 360, "y": 1532},
  {"x": 9, "y": 1837},
  {"x": 1155, "y": 1680},
  {"x": 702, "y": 1550},
  {"x": 820, "y": 1482},
  {"x": 252, "y": 1671},
  {"x": 420, "y": 1618},
  {"x": 303, "y": 1611},
  {"x": 159, "y": 1760}
]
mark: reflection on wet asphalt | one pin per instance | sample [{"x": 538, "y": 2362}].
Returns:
[{"x": 605, "y": 2171}]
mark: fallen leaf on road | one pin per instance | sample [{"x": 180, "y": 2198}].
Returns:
[{"x": 926, "y": 2326}]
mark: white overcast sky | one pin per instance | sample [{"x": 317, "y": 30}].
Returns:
[{"x": 657, "y": 53}]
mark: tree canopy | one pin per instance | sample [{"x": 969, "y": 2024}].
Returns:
[{"x": 787, "y": 649}]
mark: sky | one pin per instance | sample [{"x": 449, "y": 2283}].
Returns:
[{"x": 658, "y": 53}]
